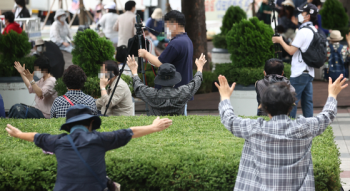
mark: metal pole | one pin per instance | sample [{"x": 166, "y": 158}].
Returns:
[{"x": 48, "y": 14}]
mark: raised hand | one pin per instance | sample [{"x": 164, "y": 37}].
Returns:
[
  {"x": 132, "y": 64},
  {"x": 224, "y": 88},
  {"x": 335, "y": 88},
  {"x": 200, "y": 62},
  {"x": 161, "y": 124},
  {"x": 13, "y": 131},
  {"x": 28, "y": 75},
  {"x": 20, "y": 69}
]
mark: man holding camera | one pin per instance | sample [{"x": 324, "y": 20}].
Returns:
[
  {"x": 179, "y": 51},
  {"x": 302, "y": 74}
]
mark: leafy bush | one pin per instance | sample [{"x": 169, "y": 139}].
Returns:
[
  {"x": 14, "y": 47},
  {"x": 234, "y": 14},
  {"x": 334, "y": 16},
  {"x": 249, "y": 43},
  {"x": 196, "y": 153},
  {"x": 219, "y": 41},
  {"x": 245, "y": 76},
  {"x": 90, "y": 51},
  {"x": 91, "y": 86}
]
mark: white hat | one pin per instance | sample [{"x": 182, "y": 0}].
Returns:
[
  {"x": 60, "y": 12},
  {"x": 288, "y": 3},
  {"x": 335, "y": 36},
  {"x": 39, "y": 42},
  {"x": 157, "y": 14},
  {"x": 110, "y": 5}
]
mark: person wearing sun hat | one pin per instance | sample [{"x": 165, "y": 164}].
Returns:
[
  {"x": 168, "y": 100},
  {"x": 156, "y": 23},
  {"x": 335, "y": 49},
  {"x": 73, "y": 172},
  {"x": 287, "y": 19},
  {"x": 39, "y": 47},
  {"x": 60, "y": 33}
]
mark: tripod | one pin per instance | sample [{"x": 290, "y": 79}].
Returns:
[
  {"x": 139, "y": 32},
  {"x": 277, "y": 46}
]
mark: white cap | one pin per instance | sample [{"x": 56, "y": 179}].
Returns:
[{"x": 110, "y": 5}]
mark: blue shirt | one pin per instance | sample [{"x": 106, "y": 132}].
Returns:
[
  {"x": 179, "y": 52},
  {"x": 72, "y": 174},
  {"x": 155, "y": 25},
  {"x": 2, "y": 108}
]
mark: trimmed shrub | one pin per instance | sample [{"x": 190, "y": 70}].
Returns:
[
  {"x": 219, "y": 41},
  {"x": 234, "y": 14},
  {"x": 196, "y": 153},
  {"x": 249, "y": 43},
  {"x": 14, "y": 47},
  {"x": 91, "y": 86},
  {"x": 334, "y": 16},
  {"x": 245, "y": 76},
  {"x": 91, "y": 51}
]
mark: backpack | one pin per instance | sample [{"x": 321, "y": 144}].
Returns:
[
  {"x": 336, "y": 63},
  {"x": 316, "y": 55}
]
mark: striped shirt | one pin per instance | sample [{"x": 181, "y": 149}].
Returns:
[
  {"x": 168, "y": 100},
  {"x": 276, "y": 153}
]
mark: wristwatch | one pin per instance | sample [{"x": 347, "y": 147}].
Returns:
[{"x": 32, "y": 82}]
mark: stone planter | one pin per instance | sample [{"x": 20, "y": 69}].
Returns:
[
  {"x": 243, "y": 100},
  {"x": 220, "y": 56},
  {"x": 13, "y": 91}
]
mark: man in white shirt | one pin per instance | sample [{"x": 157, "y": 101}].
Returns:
[
  {"x": 125, "y": 24},
  {"x": 302, "y": 75}
]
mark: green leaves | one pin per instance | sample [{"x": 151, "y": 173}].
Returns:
[
  {"x": 195, "y": 153},
  {"x": 334, "y": 16},
  {"x": 91, "y": 51},
  {"x": 14, "y": 47},
  {"x": 234, "y": 14}
]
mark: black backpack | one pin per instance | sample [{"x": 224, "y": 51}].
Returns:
[{"x": 316, "y": 55}]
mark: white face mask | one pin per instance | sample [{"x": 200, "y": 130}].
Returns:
[
  {"x": 39, "y": 48},
  {"x": 301, "y": 18},
  {"x": 62, "y": 18},
  {"x": 38, "y": 74},
  {"x": 101, "y": 75},
  {"x": 168, "y": 33},
  {"x": 3, "y": 22}
]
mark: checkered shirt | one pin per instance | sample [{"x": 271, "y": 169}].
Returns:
[
  {"x": 167, "y": 100},
  {"x": 61, "y": 105},
  {"x": 276, "y": 153}
]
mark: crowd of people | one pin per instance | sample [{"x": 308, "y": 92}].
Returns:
[{"x": 281, "y": 146}]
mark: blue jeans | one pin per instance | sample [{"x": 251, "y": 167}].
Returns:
[{"x": 304, "y": 91}]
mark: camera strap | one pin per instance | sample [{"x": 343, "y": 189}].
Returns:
[{"x": 87, "y": 166}]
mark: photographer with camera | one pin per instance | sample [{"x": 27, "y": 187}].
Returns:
[{"x": 302, "y": 73}]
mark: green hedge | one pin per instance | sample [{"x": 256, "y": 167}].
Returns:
[
  {"x": 334, "y": 16},
  {"x": 247, "y": 75},
  {"x": 196, "y": 153}
]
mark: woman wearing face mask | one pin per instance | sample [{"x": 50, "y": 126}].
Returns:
[
  {"x": 107, "y": 22},
  {"x": 44, "y": 88},
  {"x": 59, "y": 32},
  {"x": 121, "y": 103},
  {"x": 10, "y": 23},
  {"x": 39, "y": 47}
]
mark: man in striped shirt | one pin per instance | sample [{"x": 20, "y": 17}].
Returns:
[{"x": 168, "y": 100}]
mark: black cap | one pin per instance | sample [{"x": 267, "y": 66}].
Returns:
[
  {"x": 309, "y": 8},
  {"x": 167, "y": 75}
]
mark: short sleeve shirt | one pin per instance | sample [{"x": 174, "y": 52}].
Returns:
[
  {"x": 179, "y": 52},
  {"x": 302, "y": 41}
]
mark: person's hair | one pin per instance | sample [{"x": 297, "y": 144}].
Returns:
[
  {"x": 74, "y": 77},
  {"x": 112, "y": 11},
  {"x": 85, "y": 123},
  {"x": 317, "y": 2},
  {"x": 175, "y": 16},
  {"x": 274, "y": 66},
  {"x": 9, "y": 16},
  {"x": 277, "y": 99},
  {"x": 43, "y": 63},
  {"x": 129, "y": 5},
  {"x": 111, "y": 65},
  {"x": 287, "y": 11},
  {"x": 21, "y": 3},
  {"x": 280, "y": 29}
]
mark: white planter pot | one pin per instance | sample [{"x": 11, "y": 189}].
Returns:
[
  {"x": 220, "y": 56},
  {"x": 13, "y": 91},
  {"x": 243, "y": 101}
]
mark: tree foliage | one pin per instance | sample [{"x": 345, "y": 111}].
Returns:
[
  {"x": 234, "y": 14},
  {"x": 334, "y": 16},
  {"x": 91, "y": 51},
  {"x": 14, "y": 47}
]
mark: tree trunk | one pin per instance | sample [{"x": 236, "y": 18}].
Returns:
[
  {"x": 194, "y": 11},
  {"x": 346, "y": 4},
  {"x": 82, "y": 16}
]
